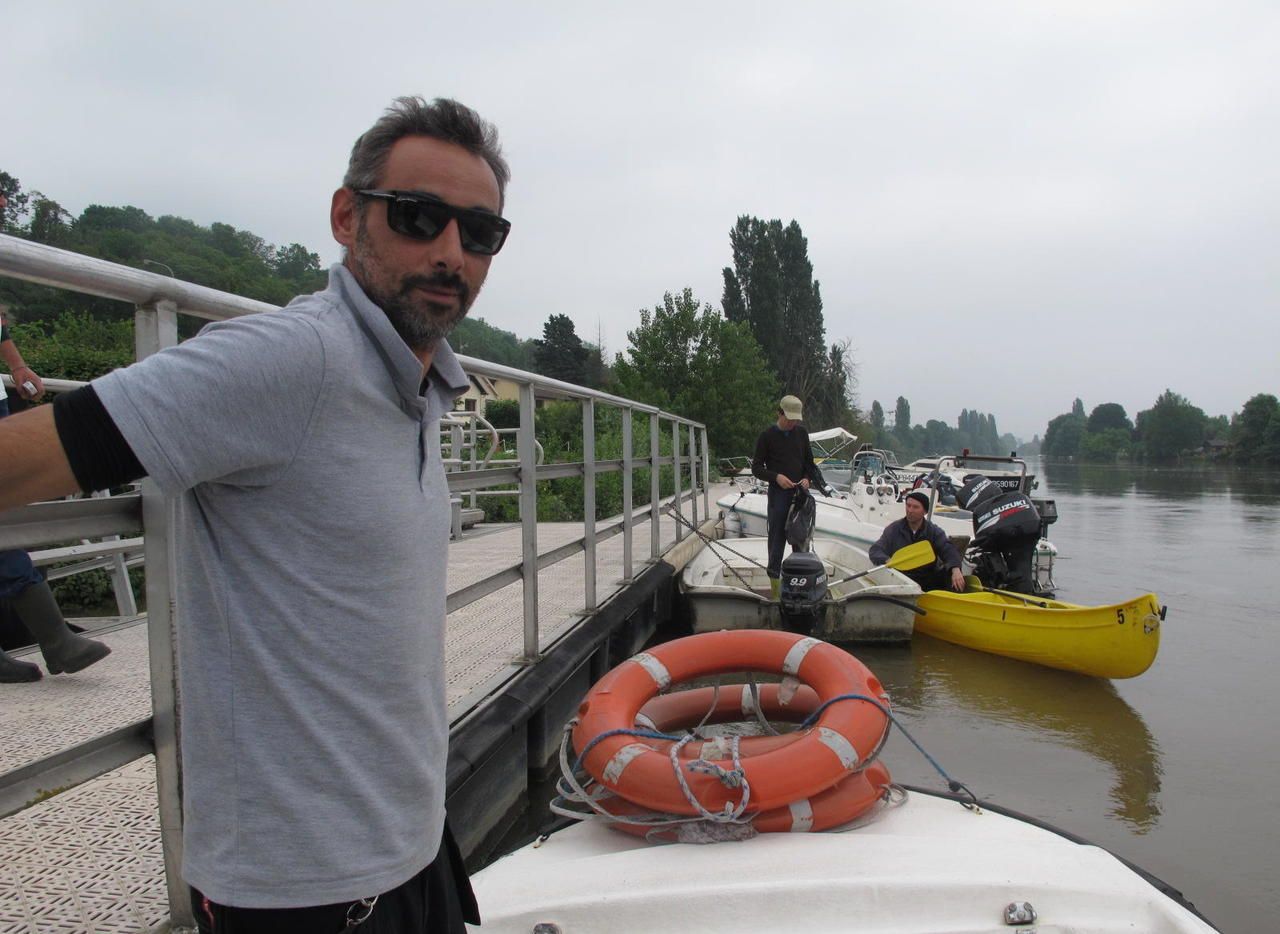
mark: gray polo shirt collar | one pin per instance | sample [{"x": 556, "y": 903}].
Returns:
[{"x": 448, "y": 381}]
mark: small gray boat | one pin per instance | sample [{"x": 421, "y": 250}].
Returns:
[{"x": 726, "y": 587}]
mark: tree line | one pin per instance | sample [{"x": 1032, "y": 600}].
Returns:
[
  {"x": 1171, "y": 430},
  {"x": 975, "y": 431}
]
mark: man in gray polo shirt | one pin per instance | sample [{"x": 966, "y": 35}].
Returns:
[{"x": 303, "y": 450}]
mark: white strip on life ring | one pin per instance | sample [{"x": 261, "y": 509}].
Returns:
[
  {"x": 841, "y": 746},
  {"x": 621, "y": 759},
  {"x": 795, "y": 656},
  {"x": 801, "y": 816},
  {"x": 656, "y": 669}
]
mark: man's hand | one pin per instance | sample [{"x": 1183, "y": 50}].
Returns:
[
  {"x": 805, "y": 483},
  {"x": 785, "y": 482},
  {"x": 23, "y": 375},
  {"x": 957, "y": 580}
]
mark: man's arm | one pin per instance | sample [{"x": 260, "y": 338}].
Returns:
[
  {"x": 880, "y": 551},
  {"x": 33, "y": 465},
  {"x": 760, "y": 463}
]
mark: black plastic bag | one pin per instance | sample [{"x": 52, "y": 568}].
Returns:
[{"x": 800, "y": 519}]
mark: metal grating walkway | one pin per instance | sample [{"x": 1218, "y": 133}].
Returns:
[{"x": 88, "y": 860}]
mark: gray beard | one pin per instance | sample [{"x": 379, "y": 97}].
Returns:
[
  {"x": 418, "y": 327},
  {"x": 415, "y": 329}
]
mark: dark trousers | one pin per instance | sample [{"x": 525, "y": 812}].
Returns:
[
  {"x": 779, "y": 506},
  {"x": 438, "y": 900}
]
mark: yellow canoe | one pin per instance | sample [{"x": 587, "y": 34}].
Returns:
[{"x": 1117, "y": 641}]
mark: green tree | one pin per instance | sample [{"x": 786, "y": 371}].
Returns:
[
  {"x": 1108, "y": 415},
  {"x": 75, "y": 346},
  {"x": 16, "y": 203},
  {"x": 1106, "y": 446},
  {"x": 560, "y": 354},
  {"x": 902, "y": 418},
  {"x": 475, "y": 337},
  {"x": 1249, "y": 429},
  {"x": 1077, "y": 408},
  {"x": 772, "y": 290},
  {"x": 688, "y": 359},
  {"x": 1170, "y": 427},
  {"x": 50, "y": 223},
  {"x": 877, "y": 415},
  {"x": 1065, "y": 435}
]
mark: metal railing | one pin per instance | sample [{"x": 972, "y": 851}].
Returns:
[{"x": 158, "y": 300}]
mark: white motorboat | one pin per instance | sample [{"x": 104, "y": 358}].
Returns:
[
  {"x": 786, "y": 829},
  {"x": 726, "y": 587},
  {"x": 928, "y": 864},
  {"x": 862, "y": 507}
]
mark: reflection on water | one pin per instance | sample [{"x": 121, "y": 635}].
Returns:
[{"x": 1070, "y": 710}]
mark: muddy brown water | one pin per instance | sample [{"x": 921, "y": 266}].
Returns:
[{"x": 1177, "y": 770}]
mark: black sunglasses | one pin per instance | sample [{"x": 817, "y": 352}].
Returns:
[{"x": 424, "y": 217}]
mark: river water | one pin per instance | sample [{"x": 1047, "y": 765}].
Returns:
[{"x": 1176, "y": 770}]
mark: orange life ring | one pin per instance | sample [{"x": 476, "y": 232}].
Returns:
[
  {"x": 841, "y": 742},
  {"x": 683, "y": 710}
]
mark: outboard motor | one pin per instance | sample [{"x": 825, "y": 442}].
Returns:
[
  {"x": 1006, "y": 529},
  {"x": 803, "y": 590},
  {"x": 977, "y": 490}
]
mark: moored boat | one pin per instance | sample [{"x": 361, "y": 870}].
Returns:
[
  {"x": 726, "y": 587},
  {"x": 1118, "y": 640},
  {"x": 901, "y": 860}
]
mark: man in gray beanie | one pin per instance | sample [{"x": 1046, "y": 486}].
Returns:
[{"x": 915, "y": 527}]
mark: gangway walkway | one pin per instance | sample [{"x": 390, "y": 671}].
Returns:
[{"x": 90, "y": 860}]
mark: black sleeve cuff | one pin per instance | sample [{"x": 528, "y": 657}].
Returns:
[{"x": 99, "y": 456}]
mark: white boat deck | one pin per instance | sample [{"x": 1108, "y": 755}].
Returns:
[{"x": 88, "y": 860}]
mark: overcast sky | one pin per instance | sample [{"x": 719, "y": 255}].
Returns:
[{"x": 1007, "y": 204}]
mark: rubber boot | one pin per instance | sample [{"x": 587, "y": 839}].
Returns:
[
  {"x": 775, "y": 587},
  {"x": 63, "y": 649},
  {"x": 13, "y": 671}
]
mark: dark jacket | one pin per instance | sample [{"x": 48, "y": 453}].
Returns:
[
  {"x": 899, "y": 535},
  {"x": 787, "y": 453}
]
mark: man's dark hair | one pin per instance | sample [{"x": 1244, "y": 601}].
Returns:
[{"x": 442, "y": 119}]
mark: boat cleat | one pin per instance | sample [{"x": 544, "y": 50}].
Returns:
[{"x": 1020, "y": 913}]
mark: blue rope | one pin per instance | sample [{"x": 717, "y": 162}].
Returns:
[
  {"x": 643, "y": 734},
  {"x": 955, "y": 786}
]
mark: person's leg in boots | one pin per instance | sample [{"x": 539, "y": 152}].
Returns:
[
  {"x": 63, "y": 650},
  {"x": 13, "y": 671},
  {"x": 779, "y": 506}
]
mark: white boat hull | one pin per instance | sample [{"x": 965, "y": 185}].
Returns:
[
  {"x": 736, "y": 595},
  {"x": 926, "y": 865}
]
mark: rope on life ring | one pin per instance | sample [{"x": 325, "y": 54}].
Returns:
[{"x": 841, "y": 742}]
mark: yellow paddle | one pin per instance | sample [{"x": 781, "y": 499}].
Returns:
[{"x": 915, "y": 555}]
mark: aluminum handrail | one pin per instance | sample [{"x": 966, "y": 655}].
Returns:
[{"x": 53, "y": 266}]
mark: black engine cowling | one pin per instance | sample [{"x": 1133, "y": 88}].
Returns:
[
  {"x": 803, "y": 589},
  {"x": 1006, "y": 529},
  {"x": 977, "y": 490}
]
